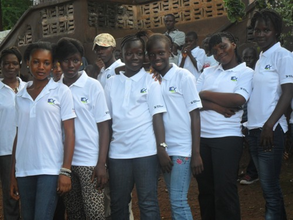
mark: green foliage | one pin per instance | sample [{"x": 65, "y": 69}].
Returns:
[
  {"x": 12, "y": 10},
  {"x": 235, "y": 10}
]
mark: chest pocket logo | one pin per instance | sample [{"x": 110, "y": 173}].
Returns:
[
  {"x": 268, "y": 67},
  {"x": 234, "y": 78},
  {"x": 51, "y": 101},
  {"x": 172, "y": 89},
  {"x": 143, "y": 90},
  {"x": 84, "y": 100}
]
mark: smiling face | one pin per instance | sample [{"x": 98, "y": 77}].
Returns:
[
  {"x": 40, "y": 64},
  {"x": 10, "y": 66},
  {"x": 265, "y": 34},
  {"x": 224, "y": 53},
  {"x": 70, "y": 66},
  {"x": 133, "y": 56},
  {"x": 159, "y": 54}
]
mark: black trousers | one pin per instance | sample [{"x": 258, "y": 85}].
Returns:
[{"x": 217, "y": 184}]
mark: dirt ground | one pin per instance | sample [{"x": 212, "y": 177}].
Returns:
[{"x": 251, "y": 200}]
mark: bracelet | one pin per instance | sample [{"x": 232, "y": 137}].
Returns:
[
  {"x": 65, "y": 174},
  {"x": 63, "y": 169}
]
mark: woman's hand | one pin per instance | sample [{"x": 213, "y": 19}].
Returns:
[
  {"x": 100, "y": 173},
  {"x": 196, "y": 164},
  {"x": 14, "y": 188},
  {"x": 267, "y": 137},
  {"x": 156, "y": 76},
  {"x": 164, "y": 160},
  {"x": 64, "y": 184}
]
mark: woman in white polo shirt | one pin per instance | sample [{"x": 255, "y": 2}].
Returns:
[
  {"x": 270, "y": 98},
  {"x": 40, "y": 162},
  {"x": 10, "y": 60},
  {"x": 223, "y": 89},
  {"x": 182, "y": 125},
  {"x": 135, "y": 103},
  {"x": 86, "y": 198}
]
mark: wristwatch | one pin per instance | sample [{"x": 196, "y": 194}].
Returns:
[{"x": 163, "y": 144}]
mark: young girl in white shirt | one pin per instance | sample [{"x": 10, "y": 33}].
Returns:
[
  {"x": 223, "y": 89},
  {"x": 270, "y": 98},
  {"x": 182, "y": 125},
  {"x": 10, "y": 60},
  {"x": 40, "y": 161},
  {"x": 135, "y": 103}
]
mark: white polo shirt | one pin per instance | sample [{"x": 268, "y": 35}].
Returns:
[
  {"x": 7, "y": 117},
  {"x": 107, "y": 73},
  {"x": 274, "y": 68},
  {"x": 199, "y": 55},
  {"x": 181, "y": 97},
  {"x": 132, "y": 103},
  {"x": 39, "y": 147},
  {"x": 216, "y": 79},
  {"x": 91, "y": 108}
]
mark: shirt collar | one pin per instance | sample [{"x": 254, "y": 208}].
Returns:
[
  {"x": 271, "y": 50},
  {"x": 234, "y": 69},
  {"x": 50, "y": 86},
  {"x": 136, "y": 77},
  {"x": 80, "y": 82},
  {"x": 169, "y": 75}
]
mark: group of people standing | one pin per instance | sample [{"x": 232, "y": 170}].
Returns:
[{"x": 145, "y": 115}]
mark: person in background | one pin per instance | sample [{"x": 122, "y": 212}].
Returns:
[
  {"x": 181, "y": 157},
  {"x": 89, "y": 163},
  {"x": 104, "y": 47},
  {"x": 249, "y": 56},
  {"x": 41, "y": 163},
  {"x": 192, "y": 57},
  {"x": 270, "y": 99},
  {"x": 178, "y": 37},
  {"x": 221, "y": 140},
  {"x": 174, "y": 56},
  {"x": 10, "y": 61},
  {"x": 209, "y": 58}
]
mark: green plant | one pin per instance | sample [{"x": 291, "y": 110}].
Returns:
[{"x": 235, "y": 10}]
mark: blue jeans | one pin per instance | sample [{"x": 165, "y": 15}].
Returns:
[
  {"x": 269, "y": 165},
  {"x": 124, "y": 173},
  {"x": 178, "y": 182},
  {"x": 38, "y": 196}
]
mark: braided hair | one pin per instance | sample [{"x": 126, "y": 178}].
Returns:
[
  {"x": 269, "y": 15},
  {"x": 217, "y": 38}
]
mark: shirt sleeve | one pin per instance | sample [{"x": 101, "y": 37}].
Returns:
[
  {"x": 200, "y": 81},
  {"x": 200, "y": 59},
  {"x": 244, "y": 85},
  {"x": 179, "y": 38},
  {"x": 284, "y": 68},
  {"x": 190, "y": 93},
  {"x": 107, "y": 94},
  {"x": 155, "y": 99},
  {"x": 100, "y": 110},
  {"x": 66, "y": 104}
]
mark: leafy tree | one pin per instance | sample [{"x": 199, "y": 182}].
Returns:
[
  {"x": 235, "y": 10},
  {"x": 11, "y": 11}
]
